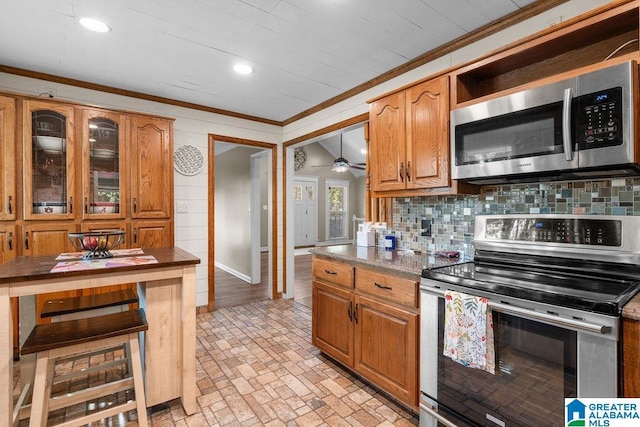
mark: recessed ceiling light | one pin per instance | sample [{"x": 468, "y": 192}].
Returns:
[
  {"x": 363, "y": 151},
  {"x": 94, "y": 25},
  {"x": 242, "y": 69}
]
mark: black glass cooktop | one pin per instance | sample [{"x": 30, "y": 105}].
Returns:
[{"x": 585, "y": 285}]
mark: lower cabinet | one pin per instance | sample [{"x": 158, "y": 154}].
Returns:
[
  {"x": 386, "y": 350},
  {"x": 368, "y": 326}
]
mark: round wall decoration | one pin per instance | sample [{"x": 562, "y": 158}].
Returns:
[
  {"x": 300, "y": 157},
  {"x": 188, "y": 160}
]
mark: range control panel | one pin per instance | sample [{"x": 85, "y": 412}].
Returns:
[{"x": 581, "y": 231}]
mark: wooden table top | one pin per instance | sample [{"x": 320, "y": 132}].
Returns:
[{"x": 26, "y": 268}]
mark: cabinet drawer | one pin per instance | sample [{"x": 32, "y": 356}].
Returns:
[
  {"x": 387, "y": 287},
  {"x": 333, "y": 272}
]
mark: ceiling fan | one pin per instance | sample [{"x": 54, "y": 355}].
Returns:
[{"x": 341, "y": 164}]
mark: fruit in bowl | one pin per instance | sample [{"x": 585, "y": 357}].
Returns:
[
  {"x": 89, "y": 242},
  {"x": 98, "y": 244}
]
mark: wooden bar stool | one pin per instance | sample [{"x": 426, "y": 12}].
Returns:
[{"x": 62, "y": 339}]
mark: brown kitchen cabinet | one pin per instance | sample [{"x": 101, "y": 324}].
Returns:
[
  {"x": 48, "y": 239},
  {"x": 83, "y": 168},
  {"x": 104, "y": 140},
  {"x": 8, "y": 251},
  {"x": 49, "y": 160},
  {"x": 151, "y": 167},
  {"x": 409, "y": 138},
  {"x": 368, "y": 321},
  {"x": 7, "y": 158}
]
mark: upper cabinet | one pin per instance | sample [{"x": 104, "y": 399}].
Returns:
[
  {"x": 104, "y": 143},
  {"x": 48, "y": 160},
  {"x": 7, "y": 158},
  {"x": 409, "y": 138},
  {"x": 151, "y": 167}
]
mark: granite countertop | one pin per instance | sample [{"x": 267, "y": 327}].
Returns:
[
  {"x": 405, "y": 262},
  {"x": 632, "y": 309}
]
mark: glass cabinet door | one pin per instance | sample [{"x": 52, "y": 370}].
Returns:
[
  {"x": 48, "y": 156},
  {"x": 103, "y": 154}
]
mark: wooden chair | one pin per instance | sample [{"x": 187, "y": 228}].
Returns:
[{"x": 59, "y": 340}]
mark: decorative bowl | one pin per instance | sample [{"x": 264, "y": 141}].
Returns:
[
  {"x": 98, "y": 244},
  {"x": 49, "y": 207},
  {"x": 104, "y": 207},
  {"x": 50, "y": 143}
]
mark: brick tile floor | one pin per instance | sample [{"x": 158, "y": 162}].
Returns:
[{"x": 256, "y": 367}]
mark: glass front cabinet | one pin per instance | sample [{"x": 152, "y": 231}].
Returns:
[
  {"x": 48, "y": 160},
  {"x": 103, "y": 152}
]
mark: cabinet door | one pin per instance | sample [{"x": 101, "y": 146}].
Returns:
[
  {"x": 7, "y": 158},
  {"x": 151, "y": 167},
  {"x": 7, "y": 252},
  {"x": 48, "y": 239},
  {"x": 103, "y": 143},
  {"x": 152, "y": 234},
  {"x": 386, "y": 348},
  {"x": 428, "y": 134},
  {"x": 331, "y": 322},
  {"x": 387, "y": 143},
  {"x": 49, "y": 160}
]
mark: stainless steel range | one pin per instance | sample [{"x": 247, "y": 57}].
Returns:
[{"x": 556, "y": 287}]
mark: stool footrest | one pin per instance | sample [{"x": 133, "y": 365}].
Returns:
[
  {"x": 60, "y": 306},
  {"x": 70, "y": 332}
]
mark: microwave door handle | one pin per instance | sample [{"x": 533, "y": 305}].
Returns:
[{"x": 566, "y": 125}]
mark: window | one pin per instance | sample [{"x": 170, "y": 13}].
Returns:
[{"x": 337, "y": 208}]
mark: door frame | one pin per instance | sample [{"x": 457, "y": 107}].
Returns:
[
  {"x": 211, "y": 210},
  {"x": 315, "y": 180}
]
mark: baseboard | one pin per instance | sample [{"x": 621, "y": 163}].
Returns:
[{"x": 233, "y": 272}]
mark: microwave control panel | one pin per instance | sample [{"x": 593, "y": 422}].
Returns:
[{"x": 599, "y": 119}]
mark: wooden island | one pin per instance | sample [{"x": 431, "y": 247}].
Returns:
[{"x": 166, "y": 291}]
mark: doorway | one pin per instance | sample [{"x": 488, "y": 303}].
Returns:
[
  {"x": 241, "y": 221},
  {"x": 297, "y": 269}
]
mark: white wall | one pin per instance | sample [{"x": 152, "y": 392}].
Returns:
[{"x": 192, "y": 127}]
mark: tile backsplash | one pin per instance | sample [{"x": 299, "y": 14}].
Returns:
[{"x": 452, "y": 217}]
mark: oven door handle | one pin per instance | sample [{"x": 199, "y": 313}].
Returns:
[
  {"x": 534, "y": 315},
  {"x": 436, "y": 415}
]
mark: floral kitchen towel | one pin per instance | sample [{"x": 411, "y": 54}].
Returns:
[{"x": 468, "y": 331}]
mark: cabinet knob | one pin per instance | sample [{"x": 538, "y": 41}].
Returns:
[
  {"x": 333, "y": 273},
  {"x": 408, "y": 171},
  {"x": 349, "y": 311},
  {"x": 10, "y": 241},
  {"x": 401, "y": 171},
  {"x": 71, "y": 204},
  {"x": 135, "y": 205},
  {"x": 86, "y": 206},
  {"x": 10, "y": 205},
  {"x": 26, "y": 240},
  {"x": 355, "y": 314}
]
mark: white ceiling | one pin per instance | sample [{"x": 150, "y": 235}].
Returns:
[{"x": 304, "y": 52}]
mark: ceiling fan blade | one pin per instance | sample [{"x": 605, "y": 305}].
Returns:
[
  {"x": 354, "y": 166},
  {"x": 321, "y": 166},
  {"x": 358, "y": 164}
]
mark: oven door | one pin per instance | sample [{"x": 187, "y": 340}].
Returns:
[
  {"x": 538, "y": 364},
  {"x": 525, "y": 132}
]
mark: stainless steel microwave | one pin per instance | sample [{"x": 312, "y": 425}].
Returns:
[{"x": 575, "y": 128}]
